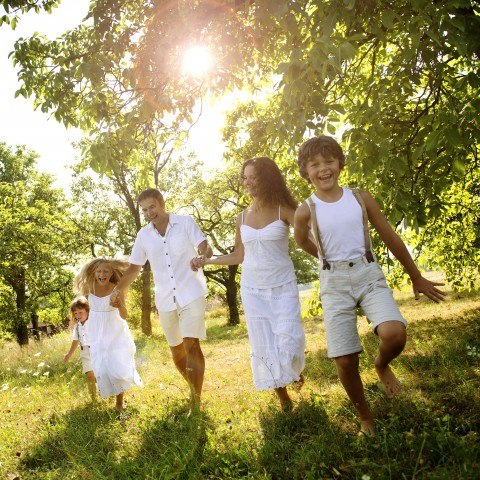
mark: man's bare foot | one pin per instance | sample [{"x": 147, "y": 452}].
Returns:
[
  {"x": 195, "y": 404},
  {"x": 298, "y": 384},
  {"x": 119, "y": 408},
  {"x": 389, "y": 383},
  {"x": 367, "y": 428}
]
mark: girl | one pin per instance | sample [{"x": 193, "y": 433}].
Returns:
[
  {"x": 79, "y": 310},
  {"x": 268, "y": 284},
  {"x": 111, "y": 344}
]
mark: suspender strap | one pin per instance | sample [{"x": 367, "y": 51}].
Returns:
[
  {"x": 316, "y": 234},
  {"x": 368, "y": 243}
]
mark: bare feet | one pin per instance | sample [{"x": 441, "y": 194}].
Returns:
[
  {"x": 297, "y": 385},
  {"x": 389, "y": 383},
  {"x": 285, "y": 400},
  {"x": 195, "y": 404},
  {"x": 367, "y": 428}
]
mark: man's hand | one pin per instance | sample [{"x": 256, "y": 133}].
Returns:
[{"x": 197, "y": 262}]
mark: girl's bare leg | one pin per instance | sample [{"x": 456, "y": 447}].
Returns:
[
  {"x": 119, "y": 402},
  {"x": 285, "y": 400}
]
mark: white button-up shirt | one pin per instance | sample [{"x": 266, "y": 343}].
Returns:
[
  {"x": 80, "y": 333},
  {"x": 169, "y": 257}
]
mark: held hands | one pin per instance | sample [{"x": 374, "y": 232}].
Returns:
[
  {"x": 428, "y": 288},
  {"x": 197, "y": 262},
  {"x": 117, "y": 298}
]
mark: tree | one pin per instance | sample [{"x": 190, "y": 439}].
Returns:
[
  {"x": 399, "y": 79},
  {"x": 15, "y": 8},
  {"x": 38, "y": 241}
]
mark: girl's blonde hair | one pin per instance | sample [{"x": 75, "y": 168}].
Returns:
[{"x": 84, "y": 282}]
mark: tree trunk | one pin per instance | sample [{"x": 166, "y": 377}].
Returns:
[
  {"x": 146, "y": 323},
  {"x": 231, "y": 296},
  {"x": 21, "y": 329},
  {"x": 35, "y": 331}
]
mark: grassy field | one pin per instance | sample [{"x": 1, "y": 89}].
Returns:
[{"x": 51, "y": 430}]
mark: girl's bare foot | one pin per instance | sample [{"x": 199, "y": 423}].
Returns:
[
  {"x": 389, "y": 383},
  {"x": 285, "y": 400}
]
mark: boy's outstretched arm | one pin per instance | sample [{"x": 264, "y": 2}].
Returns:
[
  {"x": 395, "y": 244},
  {"x": 301, "y": 230}
]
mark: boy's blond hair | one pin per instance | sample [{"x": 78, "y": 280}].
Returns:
[{"x": 324, "y": 145}]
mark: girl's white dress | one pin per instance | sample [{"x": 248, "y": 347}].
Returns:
[
  {"x": 112, "y": 348},
  {"x": 272, "y": 307}
]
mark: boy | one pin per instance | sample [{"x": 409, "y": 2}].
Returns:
[
  {"x": 350, "y": 275},
  {"x": 79, "y": 311}
]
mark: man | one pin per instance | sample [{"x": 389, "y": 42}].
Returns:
[{"x": 169, "y": 242}]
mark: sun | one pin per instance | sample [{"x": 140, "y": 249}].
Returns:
[{"x": 197, "y": 61}]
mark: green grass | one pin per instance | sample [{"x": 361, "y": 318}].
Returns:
[{"x": 51, "y": 430}]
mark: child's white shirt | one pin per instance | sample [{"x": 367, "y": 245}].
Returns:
[
  {"x": 80, "y": 333},
  {"x": 341, "y": 227}
]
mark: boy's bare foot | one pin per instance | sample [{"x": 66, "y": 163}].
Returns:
[
  {"x": 298, "y": 384},
  {"x": 389, "y": 383},
  {"x": 367, "y": 428}
]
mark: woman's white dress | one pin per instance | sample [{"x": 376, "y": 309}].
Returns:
[
  {"x": 112, "y": 348},
  {"x": 272, "y": 307}
]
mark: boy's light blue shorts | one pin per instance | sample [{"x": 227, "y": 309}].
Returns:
[{"x": 345, "y": 287}]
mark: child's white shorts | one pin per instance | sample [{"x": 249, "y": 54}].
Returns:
[
  {"x": 345, "y": 287},
  {"x": 86, "y": 360},
  {"x": 187, "y": 321}
]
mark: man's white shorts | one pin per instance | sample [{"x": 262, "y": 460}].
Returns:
[
  {"x": 187, "y": 321},
  {"x": 345, "y": 287}
]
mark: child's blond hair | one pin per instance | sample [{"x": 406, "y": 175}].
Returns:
[{"x": 84, "y": 282}]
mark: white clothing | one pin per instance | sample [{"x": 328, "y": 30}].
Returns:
[
  {"x": 80, "y": 333},
  {"x": 265, "y": 264},
  {"x": 112, "y": 348},
  {"x": 341, "y": 227},
  {"x": 277, "y": 340},
  {"x": 272, "y": 309},
  {"x": 187, "y": 321},
  {"x": 169, "y": 257}
]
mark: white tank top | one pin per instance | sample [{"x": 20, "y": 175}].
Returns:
[
  {"x": 341, "y": 227},
  {"x": 266, "y": 263}
]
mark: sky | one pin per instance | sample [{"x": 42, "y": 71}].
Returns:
[{"x": 20, "y": 124}]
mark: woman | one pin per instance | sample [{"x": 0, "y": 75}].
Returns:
[{"x": 268, "y": 284}]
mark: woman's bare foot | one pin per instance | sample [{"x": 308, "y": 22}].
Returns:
[
  {"x": 389, "y": 383},
  {"x": 298, "y": 384}
]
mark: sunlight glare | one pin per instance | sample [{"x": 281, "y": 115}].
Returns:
[{"x": 196, "y": 61}]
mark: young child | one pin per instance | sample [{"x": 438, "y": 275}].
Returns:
[
  {"x": 79, "y": 310},
  {"x": 112, "y": 348},
  {"x": 268, "y": 286},
  {"x": 350, "y": 275}
]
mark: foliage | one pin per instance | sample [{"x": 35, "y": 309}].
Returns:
[
  {"x": 399, "y": 81},
  {"x": 50, "y": 430},
  {"x": 15, "y": 8},
  {"x": 38, "y": 241}
]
